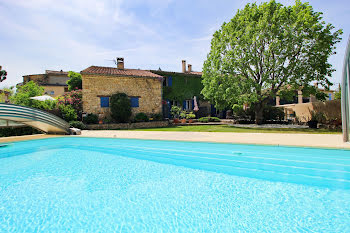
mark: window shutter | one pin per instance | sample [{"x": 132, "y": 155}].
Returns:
[
  {"x": 104, "y": 102},
  {"x": 184, "y": 105},
  {"x": 134, "y": 102},
  {"x": 192, "y": 104},
  {"x": 170, "y": 81}
]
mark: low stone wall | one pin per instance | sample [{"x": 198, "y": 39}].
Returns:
[
  {"x": 331, "y": 109},
  {"x": 138, "y": 125}
]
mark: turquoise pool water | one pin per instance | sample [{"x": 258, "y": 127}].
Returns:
[{"x": 119, "y": 185}]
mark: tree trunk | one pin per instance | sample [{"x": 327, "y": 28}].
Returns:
[{"x": 259, "y": 114}]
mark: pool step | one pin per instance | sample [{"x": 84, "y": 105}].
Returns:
[{"x": 233, "y": 166}]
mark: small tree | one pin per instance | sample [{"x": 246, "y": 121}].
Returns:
[
  {"x": 266, "y": 49},
  {"x": 337, "y": 95},
  {"x": 75, "y": 81},
  {"x": 120, "y": 107},
  {"x": 23, "y": 94},
  {"x": 3, "y": 95}
]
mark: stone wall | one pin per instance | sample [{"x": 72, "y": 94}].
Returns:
[
  {"x": 58, "y": 90},
  {"x": 138, "y": 125},
  {"x": 331, "y": 109},
  {"x": 149, "y": 91}
]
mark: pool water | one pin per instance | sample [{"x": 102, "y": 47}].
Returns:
[{"x": 122, "y": 185}]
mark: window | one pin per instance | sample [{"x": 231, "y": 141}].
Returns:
[
  {"x": 134, "y": 102},
  {"x": 52, "y": 92},
  {"x": 330, "y": 96},
  {"x": 104, "y": 102},
  {"x": 187, "y": 104},
  {"x": 168, "y": 81}
]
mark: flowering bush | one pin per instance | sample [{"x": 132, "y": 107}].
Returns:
[{"x": 73, "y": 98}]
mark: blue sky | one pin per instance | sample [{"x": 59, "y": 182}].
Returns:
[{"x": 37, "y": 35}]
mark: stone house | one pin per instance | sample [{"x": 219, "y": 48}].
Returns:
[
  {"x": 301, "y": 106},
  {"x": 180, "y": 88},
  {"x": 54, "y": 82},
  {"x": 143, "y": 87}
]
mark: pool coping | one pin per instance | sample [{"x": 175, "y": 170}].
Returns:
[
  {"x": 208, "y": 137},
  {"x": 27, "y": 137},
  {"x": 298, "y": 140}
]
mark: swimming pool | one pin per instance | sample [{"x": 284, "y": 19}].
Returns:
[{"x": 73, "y": 184}]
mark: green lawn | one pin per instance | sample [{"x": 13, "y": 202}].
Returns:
[{"x": 227, "y": 128}]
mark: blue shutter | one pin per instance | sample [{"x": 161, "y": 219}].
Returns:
[
  {"x": 192, "y": 104},
  {"x": 184, "y": 105},
  {"x": 134, "y": 102},
  {"x": 170, "y": 81},
  {"x": 330, "y": 96},
  {"x": 104, "y": 102}
]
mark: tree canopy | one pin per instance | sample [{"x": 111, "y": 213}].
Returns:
[
  {"x": 23, "y": 94},
  {"x": 268, "y": 50},
  {"x": 75, "y": 81},
  {"x": 3, "y": 75}
]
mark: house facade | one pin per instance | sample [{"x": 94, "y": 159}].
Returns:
[
  {"x": 180, "y": 88},
  {"x": 143, "y": 87},
  {"x": 302, "y": 106},
  {"x": 53, "y": 82}
]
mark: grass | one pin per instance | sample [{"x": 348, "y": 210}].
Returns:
[{"x": 227, "y": 128}]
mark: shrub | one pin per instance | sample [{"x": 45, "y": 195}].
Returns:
[
  {"x": 120, "y": 107},
  {"x": 46, "y": 105},
  {"x": 208, "y": 119},
  {"x": 190, "y": 115},
  {"x": 273, "y": 113},
  {"x": 77, "y": 124},
  {"x": 90, "y": 119},
  {"x": 175, "y": 111},
  {"x": 68, "y": 113},
  {"x": 203, "y": 120},
  {"x": 157, "y": 117},
  {"x": 17, "y": 131},
  {"x": 183, "y": 114},
  {"x": 73, "y": 98},
  {"x": 141, "y": 117}
]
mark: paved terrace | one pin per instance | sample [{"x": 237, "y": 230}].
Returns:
[{"x": 305, "y": 140}]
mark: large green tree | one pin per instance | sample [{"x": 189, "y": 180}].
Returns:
[
  {"x": 23, "y": 94},
  {"x": 75, "y": 81},
  {"x": 267, "y": 50}
]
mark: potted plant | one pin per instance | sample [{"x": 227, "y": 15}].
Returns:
[
  {"x": 183, "y": 115},
  {"x": 175, "y": 112},
  {"x": 316, "y": 117},
  {"x": 190, "y": 116}
]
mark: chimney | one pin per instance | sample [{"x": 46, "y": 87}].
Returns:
[
  {"x": 120, "y": 63},
  {"x": 189, "y": 68},
  {"x": 183, "y": 66}
]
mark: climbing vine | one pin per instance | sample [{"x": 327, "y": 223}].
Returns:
[{"x": 184, "y": 86}]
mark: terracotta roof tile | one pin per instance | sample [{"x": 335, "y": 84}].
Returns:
[
  {"x": 56, "y": 72},
  {"x": 118, "y": 72}
]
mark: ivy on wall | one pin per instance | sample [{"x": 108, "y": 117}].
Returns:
[{"x": 184, "y": 86}]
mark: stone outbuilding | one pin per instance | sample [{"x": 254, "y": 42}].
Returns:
[
  {"x": 54, "y": 82},
  {"x": 143, "y": 87}
]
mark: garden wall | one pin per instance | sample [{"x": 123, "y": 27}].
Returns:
[
  {"x": 331, "y": 109},
  {"x": 138, "y": 125}
]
